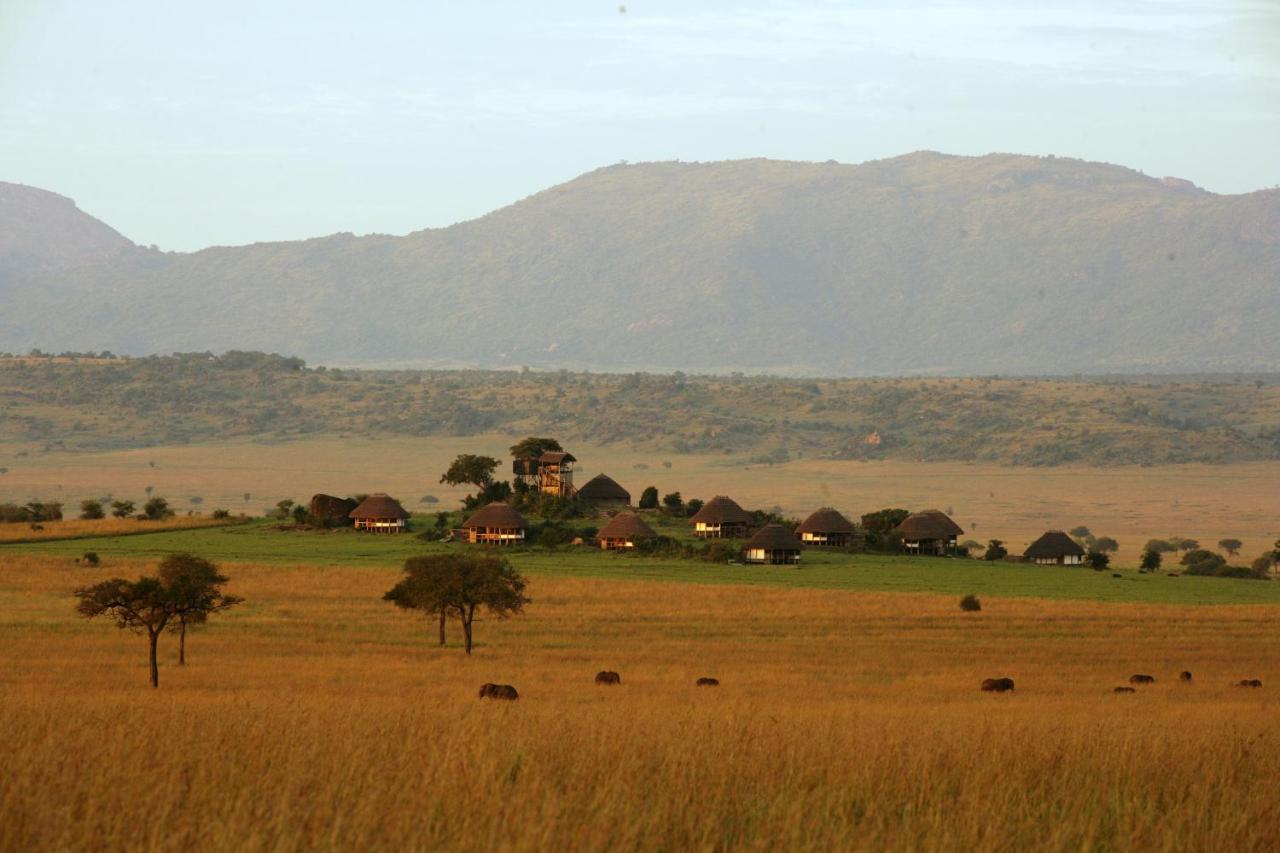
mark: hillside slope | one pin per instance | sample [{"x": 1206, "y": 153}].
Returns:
[{"x": 922, "y": 263}]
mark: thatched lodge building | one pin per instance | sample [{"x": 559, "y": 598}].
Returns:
[
  {"x": 1055, "y": 548},
  {"x": 773, "y": 544},
  {"x": 495, "y": 524},
  {"x": 380, "y": 513},
  {"x": 929, "y": 532},
  {"x": 605, "y": 493},
  {"x": 826, "y": 528},
  {"x": 721, "y": 518},
  {"x": 623, "y": 531}
]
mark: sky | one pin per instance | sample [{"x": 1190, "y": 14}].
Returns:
[{"x": 189, "y": 124}]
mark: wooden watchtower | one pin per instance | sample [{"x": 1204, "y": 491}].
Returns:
[{"x": 551, "y": 473}]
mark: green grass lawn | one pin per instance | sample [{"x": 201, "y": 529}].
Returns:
[{"x": 260, "y": 543}]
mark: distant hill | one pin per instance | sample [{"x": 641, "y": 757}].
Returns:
[
  {"x": 73, "y": 403},
  {"x": 925, "y": 263}
]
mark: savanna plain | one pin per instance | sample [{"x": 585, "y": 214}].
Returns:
[{"x": 316, "y": 716}]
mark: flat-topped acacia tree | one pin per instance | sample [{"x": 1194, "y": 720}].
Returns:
[
  {"x": 143, "y": 606},
  {"x": 458, "y": 585},
  {"x": 195, "y": 587}
]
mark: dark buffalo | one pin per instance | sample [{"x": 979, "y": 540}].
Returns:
[
  {"x": 997, "y": 685},
  {"x": 1142, "y": 679},
  {"x": 607, "y": 677},
  {"x": 1249, "y": 682},
  {"x": 708, "y": 682},
  {"x": 1124, "y": 690},
  {"x": 1184, "y": 677},
  {"x": 498, "y": 691}
]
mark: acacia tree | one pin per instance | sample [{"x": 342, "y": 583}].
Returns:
[
  {"x": 1231, "y": 546},
  {"x": 458, "y": 585},
  {"x": 143, "y": 606},
  {"x": 122, "y": 508},
  {"x": 995, "y": 550},
  {"x": 195, "y": 587},
  {"x": 469, "y": 469},
  {"x": 1105, "y": 545},
  {"x": 91, "y": 510},
  {"x": 534, "y": 447}
]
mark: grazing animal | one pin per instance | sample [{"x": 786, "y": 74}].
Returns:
[
  {"x": 708, "y": 682},
  {"x": 1142, "y": 679},
  {"x": 1124, "y": 690},
  {"x": 1249, "y": 682},
  {"x": 1185, "y": 677},
  {"x": 997, "y": 685},
  {"x": 606, "y": 678},
  {"x": 498, "y": 691}
]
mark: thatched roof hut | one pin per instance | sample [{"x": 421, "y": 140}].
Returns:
[
  {"x": 495, "y": 524},
  {"x": 624, "y": 530},
  {"x": 721, "y": 517},
  {"x": 604, "y": 492},
  {"x": 773, "y": 544},
  {"x": 379, "y": 513},
  {"x": 826, "y": 527},
  {"x": 1055, "y": 548},
  {"x": 929, "y": 531}
]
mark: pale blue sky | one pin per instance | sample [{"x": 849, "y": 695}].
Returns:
[{"x": 189, "y": 124}]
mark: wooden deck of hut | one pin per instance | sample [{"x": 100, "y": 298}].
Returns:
[
  {"x": 605, "y": 493},
  {"x": 929, "y": 532},
  {"x": 623, "y": 531},
  {"x": 379, "y": 513},
  {"x": 495, "y": 524},
  {"x": 721, "y": 518},
  {"x": 774, "y": 545},
  {"x": 826, "y": 528},
  {"x": 1055, "y": 548}
]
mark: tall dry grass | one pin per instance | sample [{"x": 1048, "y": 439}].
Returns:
[
  {"x": 317, "y": 717},
  {"x": 78, "y": 528}
]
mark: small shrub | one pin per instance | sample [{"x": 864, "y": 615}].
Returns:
[
  {"x": 970, "y": 604},
  {"x": 221, "y": 513},
  {"x": 91, "y": 558}
]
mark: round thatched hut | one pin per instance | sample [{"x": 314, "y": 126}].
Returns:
[
  {"x": 495, "y": 524},
  {"x": 773, "y": 544},
  {"x": 721, "y": 518},
  {"x": 826, "y": 528},
  {"x": 380, "y": 513},
  {"x": 605, "y": 493},
  {"x": 1055, "y": 548},
  {"x": 623, "y": 531},
  {"x": 929, "y": 532}
]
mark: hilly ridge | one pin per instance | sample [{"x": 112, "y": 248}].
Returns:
[{"x": 925, "y": 263}]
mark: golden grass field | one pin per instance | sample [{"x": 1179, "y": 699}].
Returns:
[
  {"x": 75, "y": 528},
  {"x": 1132, "y": 504},
  {"x": 318, "y": 717}
]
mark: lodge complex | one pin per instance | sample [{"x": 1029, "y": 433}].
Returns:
[{"x": 765, "y": 540}]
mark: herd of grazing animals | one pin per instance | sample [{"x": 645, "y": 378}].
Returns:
[
  {"x": 1004, "y": 685},
  {"x": 608, "y": 678},
  {"x": 604, "y": 678}
]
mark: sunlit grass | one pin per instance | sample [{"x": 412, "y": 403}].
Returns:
[{"x": 317, "y": 716}]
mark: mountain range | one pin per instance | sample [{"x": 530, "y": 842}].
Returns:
[{"x": 920, "y": 264}]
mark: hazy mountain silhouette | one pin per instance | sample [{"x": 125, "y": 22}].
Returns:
[{"x": 925, "y": 262}]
